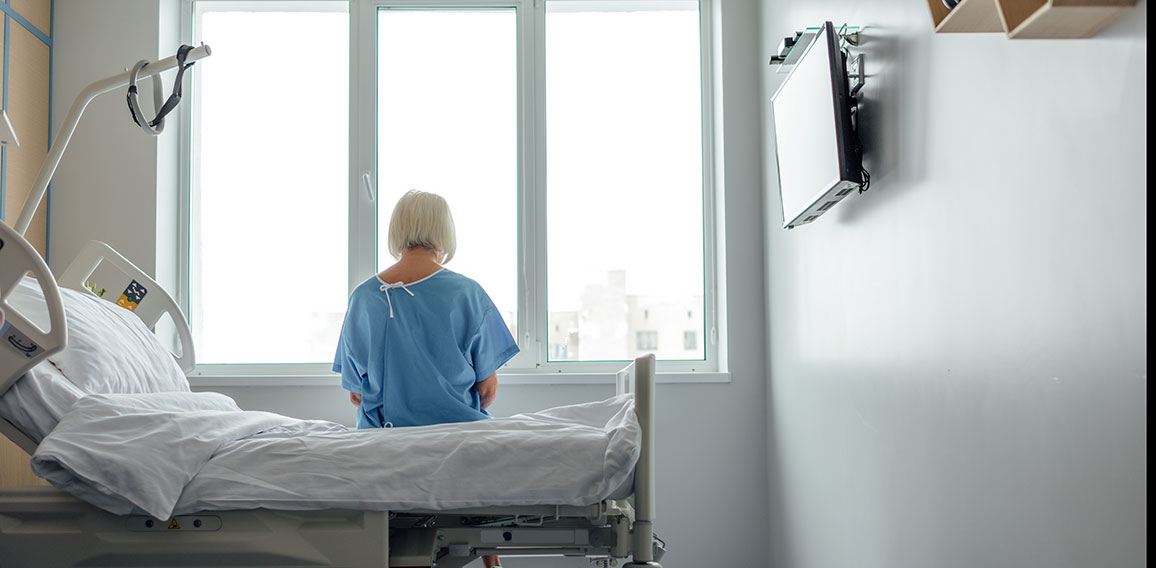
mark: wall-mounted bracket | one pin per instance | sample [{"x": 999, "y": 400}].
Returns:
[
  {"x": 856, "y": 73},
  {"x": 791, "y": 49}
]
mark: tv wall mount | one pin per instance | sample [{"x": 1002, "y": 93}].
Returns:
[{"x": 792, "y": 48}]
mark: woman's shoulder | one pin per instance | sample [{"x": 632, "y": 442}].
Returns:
[
  {"x": 371, "y": 283},
  {"x": 462, "y": 285},
  {"x": 367, "y": 289},
  {"x": 451, "y": 278}
]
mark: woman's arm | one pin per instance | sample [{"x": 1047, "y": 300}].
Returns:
[{"x": 488, "y": 390}]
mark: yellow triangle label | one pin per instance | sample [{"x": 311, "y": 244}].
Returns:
[{"x": 174, "y": 525}]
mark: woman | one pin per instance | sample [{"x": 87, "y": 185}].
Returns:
[{"x": 421, "y": 344}]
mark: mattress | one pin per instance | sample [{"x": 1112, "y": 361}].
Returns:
[
  {"x": 166, "y": 454},
  {"x": 572, "y": 455}
]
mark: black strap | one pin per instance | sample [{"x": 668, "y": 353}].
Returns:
[
  {"x": 131, "y": 92},
  {"x": 175, "y": 98}
]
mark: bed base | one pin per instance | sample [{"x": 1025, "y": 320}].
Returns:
[{"x": 42, "y": 526}]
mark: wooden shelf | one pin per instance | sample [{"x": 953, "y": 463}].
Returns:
[
  {"x": 1043, "y": 19},
  {"x": 1028, "y": 19},
  {"x": 969, "y": 16}
]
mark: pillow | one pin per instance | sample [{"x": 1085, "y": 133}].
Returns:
[{"x": 109, "y": 349}]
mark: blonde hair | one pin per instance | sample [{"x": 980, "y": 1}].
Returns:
[{"x": 422, "y": 219}]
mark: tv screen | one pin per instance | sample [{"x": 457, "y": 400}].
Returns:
[{"x": 816, "y": 147}]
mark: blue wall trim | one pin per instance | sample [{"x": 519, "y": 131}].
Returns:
[
  {"x": 11, "y": 12},
  {"x": 4, "y": 151},
  {"x": 48, "y": 190}
]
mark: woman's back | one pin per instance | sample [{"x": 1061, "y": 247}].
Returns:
[{"x": 414, "y": 350}]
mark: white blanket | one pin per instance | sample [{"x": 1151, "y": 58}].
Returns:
[
  {"x": 120, "y": 451},
  {"x": 176, "y": 453}
]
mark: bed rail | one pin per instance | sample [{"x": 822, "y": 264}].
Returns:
[
  {"x": 642, "y": 371},
  {"x": 129, "y": 287},
  {"x": 25, "y": 343}
]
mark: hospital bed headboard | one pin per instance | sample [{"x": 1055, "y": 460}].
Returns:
[
  {"x": 129, "y": 287},
  {"x": 25, "y": 343}
]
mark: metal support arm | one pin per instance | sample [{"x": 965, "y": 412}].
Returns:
[{"x": 52, "y": 160}]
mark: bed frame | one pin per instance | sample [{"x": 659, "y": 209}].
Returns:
[{"x": 42, "y": 526}]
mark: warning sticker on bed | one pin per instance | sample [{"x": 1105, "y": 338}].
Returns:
[
  {"x": 132, "y": 296},
  {"x": 174, "y": 525},
  {"x": 16, "y": 339}
]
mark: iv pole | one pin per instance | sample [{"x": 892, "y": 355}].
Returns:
[{"x": 52, "y": 160}]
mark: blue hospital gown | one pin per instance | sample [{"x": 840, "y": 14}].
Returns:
[{"x": 419, "y": 366}]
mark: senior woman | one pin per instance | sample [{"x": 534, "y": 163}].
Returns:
[{"x": 421, "y": 344}]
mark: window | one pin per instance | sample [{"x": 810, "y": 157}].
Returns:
[
  {"x": 646, "y": 340},
  {"x": 569, "y": 137},
  {"x": 447, "y": 123},
  {"x": 268, "y": 262},
  {"x": 624, "y": 152}
]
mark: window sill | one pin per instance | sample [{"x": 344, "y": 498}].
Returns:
[{"x": 229, "y": 381}]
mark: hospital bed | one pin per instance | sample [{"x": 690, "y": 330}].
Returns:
[{"x": 45, "y": 526}]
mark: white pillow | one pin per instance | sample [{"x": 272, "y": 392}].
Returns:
[{"x": 109, "y": 349}]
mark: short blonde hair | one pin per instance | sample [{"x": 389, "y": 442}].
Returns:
[{"x": 422, "y": 219}]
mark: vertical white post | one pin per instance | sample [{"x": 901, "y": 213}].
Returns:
[{"x": 644, "y": 511}]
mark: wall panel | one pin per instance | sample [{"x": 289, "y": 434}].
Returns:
[
  {"x": 26, "y": 53},
  {"x": 28, "y": 103},
  {"x": 958, "y": 357},
  {"x": 37, "y": 12}
]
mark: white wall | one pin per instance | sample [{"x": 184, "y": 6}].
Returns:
[
  {"x": 106, "y": 187},
  {"x": 712, "y": 452},
  {"x": 958, "y": 357}
]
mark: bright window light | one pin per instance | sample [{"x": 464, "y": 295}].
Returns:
[
  {"x": 269, "y": 237},
  {"x": 447, "y": 123},
  {"x": 568, "y": 137},
  {"x": 625, "y": 179}
]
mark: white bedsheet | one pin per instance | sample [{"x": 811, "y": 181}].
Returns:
[
  {"x": 175, "y": 453},
  {"x": 36, "y": 402}
]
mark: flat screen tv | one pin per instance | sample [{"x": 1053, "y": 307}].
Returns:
[{"x": 816, "y": 147}]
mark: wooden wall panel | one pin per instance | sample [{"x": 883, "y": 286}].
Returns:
[
  {"x": 37, "y": 12},
  {"x": 27, "y": 88},
  {"x": 28, "y": 106},
  {"x": 14, "y": 468}
]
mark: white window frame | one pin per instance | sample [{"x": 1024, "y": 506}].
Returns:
[{"x": 532, "y": 278}]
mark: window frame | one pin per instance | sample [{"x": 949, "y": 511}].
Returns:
[{"x": 531, "y": 191}]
